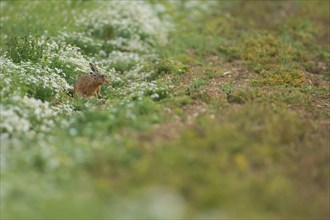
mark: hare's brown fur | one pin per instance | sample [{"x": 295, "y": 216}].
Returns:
[{"x": 90, "y": 84}]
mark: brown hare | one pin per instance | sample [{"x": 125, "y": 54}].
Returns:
[{"x": 90, "y": 84}]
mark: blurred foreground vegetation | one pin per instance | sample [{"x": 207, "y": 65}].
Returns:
[{"x": 225, "y": 115}]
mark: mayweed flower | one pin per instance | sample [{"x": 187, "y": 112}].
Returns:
[{"x": 23, "y": 114}]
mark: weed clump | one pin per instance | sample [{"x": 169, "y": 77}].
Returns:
[
  {"x": 275, "y": 62},
  {"x": 281, "y": 76},
  {"x": 107, "y": 32},
  {"x": 166, "y": 66},
  {"x": 25, "y": 48}
]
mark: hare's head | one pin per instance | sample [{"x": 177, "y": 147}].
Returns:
[{"x": 100, "y": 78}]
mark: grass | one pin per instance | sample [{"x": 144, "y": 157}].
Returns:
[{"x": 228, "y": 119}]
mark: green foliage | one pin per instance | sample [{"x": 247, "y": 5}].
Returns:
[
  {"x": 52, "y": 17},
  {"x": 41, "y": 92},
  {"x": 227, "y": 88},
  {"x": 25, "y": 48},
  {"x": 136, "y": 114},
  {"x": 166, "y": 66},
  {"x": 298, "y": 30},
  {"x": 196, "y": 85},
  {"x": 107, "y": 32},
  {"x": 87, "y": 47},
  {"x": 68, "y": 68},
  {"x": 123, "y": 66}
]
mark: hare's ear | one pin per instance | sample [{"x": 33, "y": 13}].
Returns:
[{"x": 93, "y": 68}]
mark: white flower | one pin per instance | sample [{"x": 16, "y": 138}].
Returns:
[{"x": 154, "y": 96}]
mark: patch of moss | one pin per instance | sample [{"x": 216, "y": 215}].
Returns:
[
  {"x": 281, "y": 76},
  {"x": 166, "y": 66},
  {"x": 276, "y": 62},
  {"x": 280, "y": 96},
  {"x": 267, "y": 49}
]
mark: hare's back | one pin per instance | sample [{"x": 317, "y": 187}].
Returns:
[
  {"x": 86, "y": 85},
  {"x": 84, "y": 80},
  {"x": 86, "y": 77}
]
